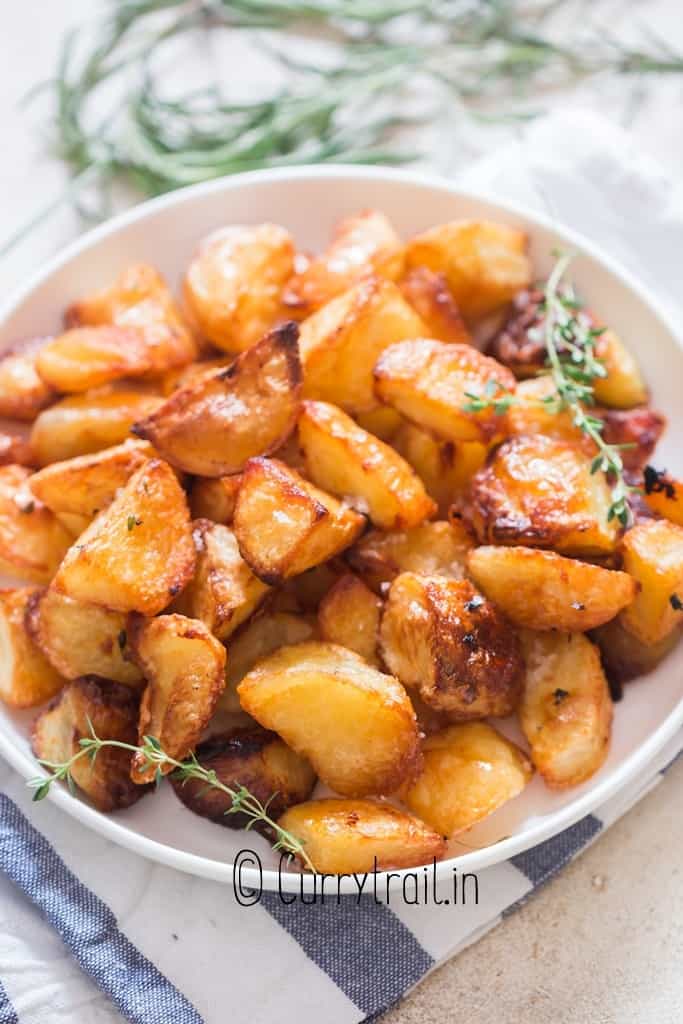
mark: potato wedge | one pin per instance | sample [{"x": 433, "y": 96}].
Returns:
[
  {"x": 88, "y": 357},
  {"x": 345, "y": 460},
  {"x": 485, "y": 263},
  {"x": 27, "y": 679},
  {"x": 184, "y": 666},
  {"x": 432, "y": 384},
  {"x": 341, "y": 342},
  {"x": 433, "y": 549},
  {"x": 304, "y": 593},
  {"x": 23, "y": 393},
  {"x": 540, "y": 492},
  {"x": 251, "y": 757},
  {"x": 469, "y": 771},
  {"x": 32, "y": 540},
  {"x": 383, "y": 422},
  {"x": 624, "y": 386},
  {"x": 443, "y": 638},
  {"x": 81, "y": 639},
  {"x": 544, "y": 590},
  {"x": 566, "y": 708},
  {"x": 349, "y": 615},
  {"x": 138, "y": 553},
  {"x": 284, "y": 525},
  {"x": 113, "y": 712},
  {"x": 624, "y": 657},
  {"x": 347, "y": 836},
  {"x": 232, "y": 288},
  {"x": 445, "y": 467},
  {"x": 214, "y": 426},
  {"x": 652, "y": 552},
  {"x": 664, "y": 494},
  {"x": 215, "y": 498},
  {"x": 428, "y": 293},
  {"x": 355, "y": 725}
]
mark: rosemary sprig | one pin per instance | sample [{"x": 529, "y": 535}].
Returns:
[{"x": 155, "y": 757}]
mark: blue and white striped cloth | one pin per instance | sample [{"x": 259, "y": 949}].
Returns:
[{"x": 90, "y": 932}]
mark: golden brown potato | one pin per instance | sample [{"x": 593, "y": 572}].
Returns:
[
  {"x": 184, "y": 666},
  {"x": 433, "y": 549},
  {"x": 540, "y": 492},
  {"x": 254, "y": 758},
  {"x": 349, "y": 615},
  {"x": 112, "y": 710},
  {"x": 304, "y": 593},
  {"x": 345, "y": 460},
  {"x": 87, "y": 357},
  {"x": 544, "y": 590},
  {"x": 469, "y": 771},
  {"x": 445, "y": 467},
  {"x": 566, "y": 708},
  {"x": 182, "y": 376},
  {"x": 347, "y": 836},
  {"x": 362, "y": 245},
  {"x": 232, "y": 288},
  {"x": 432, "y": 383},
  {"x": 383, "y": 422},
  {"x": 664, "y": 494},
  {"x": 431, "y": 298},
  {"x": 485, "y": 263},
  {"x": 355, "y": 725},
  {"x": 624, "y": 657},
  {"x": 23, "y": 393},
  {"x": 223, "y": 591},
  {"x": 652, "y": 553},
  {"x": 341, "y": 342},
  {"x": 215, "y": 498},
  {"x": 138, "y": 553},
  {"x": 284, "y": 525},
  {"x": 26, "y": 677},
  {"x": 623, "y": 387},
  {"x": 638, "y": 430},
  {"x": 15, "y": 450},
  {"x": 81, "y": 639},
  {"x": 443, "y": 638},
  {"x": 213, "y": 426},
  {"x": 32, "y": 540}
]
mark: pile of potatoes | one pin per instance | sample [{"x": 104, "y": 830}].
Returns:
[{"x": 265, "y": 525}]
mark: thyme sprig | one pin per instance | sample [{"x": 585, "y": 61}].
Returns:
[{"x": 242, "y": 800}]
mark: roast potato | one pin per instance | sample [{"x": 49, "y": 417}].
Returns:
[
  {"x": 26, "y": 677},
  {"x": 23, "y": 393},
  {"x": 355, "y": 725},
  {"x": 445, "y": 467},
  {"x": 652, "y": 552},
  {"x": 623, "y": 387},
  {"x": 624, "y": 656},
  {"x": 32, "y": 540},
  {"x": 664, "y": 494},
  {"x": 215, "y": 498},
  {"x": 428, "y": 293},
  {"x": 443, "y": 638},
  {"x": 431, "y": 549},
  {"x": 349, "y": 615},
  {"x": 304, "y": 593},
  {"x": 182, "y": 376},
  {"x": 87, "y": 357},
  {"x": 15, "y": 450},
  {"x": 383, "y": 422}
]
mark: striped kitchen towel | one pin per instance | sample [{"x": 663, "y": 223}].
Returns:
[{"x": 92, "y": 933}]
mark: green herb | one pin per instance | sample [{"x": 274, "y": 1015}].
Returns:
[
  {"x": 132, "y": 522},
  {"x": 154, "y": 757},
  {"x": 676, "y": 603},
  {"x": 494, "y": 396}
]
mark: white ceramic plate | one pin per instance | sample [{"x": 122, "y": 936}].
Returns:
[{"x": 308, "y": 201}]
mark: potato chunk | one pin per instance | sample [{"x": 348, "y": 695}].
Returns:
[
  {"x": 469, "y": 771},
  {"x": 485, "y": 263},
  {"x": 624, "y": 657},
  {"x": 15, "y": 450},
  {"x": 212, "y": 427},
  {"x": 113, "y": 711},
  {"x": 544, "y": 590},
  {"x": 433, "y": 549},
  {"x": 345, "y": 460},
  {"x": 432, "y": 384},
  {"x": 32, "y": 540},
  {"x": 138, "y": 553},
  {"x": 215, "y": 498},
  {"x": 445, "y": 467},
  {"x": 87, "y": 357},
  {"x": 349, "y": 615},
  {"x": 26, "y": 677},
  {"x": 341, "y": 342},
  {"x": 233, "y": 285},
  {"x": 443, "y": 638},
  {"x": 566, "y": 708},
  {"x": 184, "y": 666},
  {"x": 653, "y": 554},
  {"x": 347, "y": 836},
  {"x": 623, "y": 387},
  {"x": 355, "y": 725},
  {"x": 540, "y": 492},
  {"x": 23, "y": 392},
  {"x": 431, "y": 298},
  {"x": 664, "y": 494},
  {"x": 284, "y": 525}
]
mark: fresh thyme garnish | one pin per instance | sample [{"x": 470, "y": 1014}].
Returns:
[
  {"x": 150, "y": 749},
  {"x": 494, "y": 396},
  {"x": 132, "y": 522}
]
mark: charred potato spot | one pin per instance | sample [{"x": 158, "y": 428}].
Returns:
[
  {"x": 445, "y": 467},
  {"x": 652, "y": 552},
  {"x": 349, "y": 615},
  {"x": 23, "y": 392},
  {"x": 27, "y": 679},
  {"x": 32, "y": 540},
  {"x": 431, "y": 549},
  {"x": 663, "y": 494},
  {"x": 431, "y": 298}
]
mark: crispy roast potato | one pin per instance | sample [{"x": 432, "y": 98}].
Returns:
[
  {"x": 232, "y": 288},
  {"x": 445, "y": 467},
  {"x": 182, "y": 376},
  {"x": 624, "y": 656},
  {"x": 349, "y": 615},
  {"x": 345, "y": 460},
  {"x": 383, "y": 422},
  {"x": 284, "y": 525},
  {"x": 347, "y": 836},
  {"x": 355, "y": 725},
  {"x": 88, "y": 357},
  {"x": 664, "y": 494},
  {"x": 256, "y": 759},
  {"x": 184, "y": 666},
  {"x": 443, "y": 638},
  {"x": 341, "y": 342},
  {"x": 431, "y": 549},
  {"x": 469, "y": 771},
  {"x": 15, "y": 450},
  {"x": 112, "y": 710},
  {"x": 566, "y": 708},
  {"x": 431, "y": 298},
  {"x": 432, "y": 384},
  {"x": 32, "y": 540},
  {"x": 138, "y": 553},
  {"x": 652, "y": 553},
  {"x": 540, "y": 492},
  {"x": 27, "y": 679},
  {"x": 623, "y": 387},
  {"x": 23, "y": 392},
  {"x": 213, "y": 426},
  {"x": 304, "y": 593},
  {"x": 215, "y": 498},
  {"x": 485, "y": 263},
  {"x": 544, "y": 590},
  {"x": 223, "y": 591}
]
